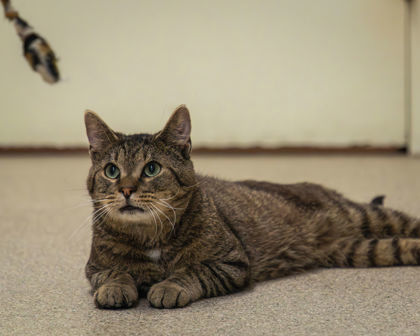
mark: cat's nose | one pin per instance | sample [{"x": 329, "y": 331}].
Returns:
[{"x": 127, "y": 191}]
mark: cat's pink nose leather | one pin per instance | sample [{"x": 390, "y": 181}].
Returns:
[{"x": 127, "y": 191}]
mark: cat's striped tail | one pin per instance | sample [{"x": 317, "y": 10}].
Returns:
[
  {"x": 376, "y": 252},
  {"x": 375, "y": 221},
  {"x": 382, "y": 237}
]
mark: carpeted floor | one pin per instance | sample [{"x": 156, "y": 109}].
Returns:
[{"x": 45, "y": 237}]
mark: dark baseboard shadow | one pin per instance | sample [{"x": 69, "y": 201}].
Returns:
[{"x": 43, "y": 150}]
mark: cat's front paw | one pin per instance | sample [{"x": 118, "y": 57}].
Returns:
[
  {"x": 114, "y": 296},
  {"x": 167, "y": 294}
]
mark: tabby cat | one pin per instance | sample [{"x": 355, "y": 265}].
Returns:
[{"x": 163, "y": 231}]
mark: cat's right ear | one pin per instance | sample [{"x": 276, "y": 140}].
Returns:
[{"x": 99, "y": 134}]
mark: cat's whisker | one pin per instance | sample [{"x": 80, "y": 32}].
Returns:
[
  {"x": 91, "y": 217},
  {"x": 106, "y": 198},
  {"x": 85, "y": 202},
  {"x": 98, "y": 213},
  {"x": 179, "y": 189},
  {"x": 102, "y": 207},
  {"x": 102, "y": 211},
  {"x": 169, "y": 198},
  {"x": 169, "y": 207},
  {"x": 78, "y": 206},
  {"x": 154, "y": 219},
  {"x": 107, "y": 212},
  {"x": 169, "y": 220},
  {"x": 160, "y": 222},
  {"x": 78, "y": 229},
  {"x": 87, "y": 221}
]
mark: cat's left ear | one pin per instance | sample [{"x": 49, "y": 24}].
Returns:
[{"x": 177, "y": 131}]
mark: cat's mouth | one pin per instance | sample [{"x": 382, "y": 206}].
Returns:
[{"x": 131, "y": 209}]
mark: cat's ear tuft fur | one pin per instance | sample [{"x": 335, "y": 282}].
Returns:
[
  {"x": 99, "y": 134},
  {"x": 177, "y": 130}
]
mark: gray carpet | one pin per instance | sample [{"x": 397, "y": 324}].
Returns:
[{"x": 45, "y": 237}]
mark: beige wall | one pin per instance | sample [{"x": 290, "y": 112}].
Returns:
[
  {"x": 415, "y": 78},
  {"x": 325, "y": 72}
]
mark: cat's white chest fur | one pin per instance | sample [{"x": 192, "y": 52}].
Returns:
[{"x": 153, "y": 254}]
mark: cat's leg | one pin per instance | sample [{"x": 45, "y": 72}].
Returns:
[
  {"x": 205, "y": 279},
  {"x": 375, "y": 252},
  {"x": 114, "y": 289}
]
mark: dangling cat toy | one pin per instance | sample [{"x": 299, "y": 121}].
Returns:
[{"x": 36, "y": 50}]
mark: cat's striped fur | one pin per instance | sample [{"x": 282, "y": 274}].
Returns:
[{"x": 195, "y": 236}]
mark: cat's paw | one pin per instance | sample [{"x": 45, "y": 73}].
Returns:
[
  {"x": 114, "y": 296},
  {"x": 167, "y": 294}
]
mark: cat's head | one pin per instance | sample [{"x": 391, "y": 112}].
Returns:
[{"x": 143, "y": 179}]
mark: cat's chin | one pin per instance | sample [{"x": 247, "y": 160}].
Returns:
[{"x": 133, "y": 217}]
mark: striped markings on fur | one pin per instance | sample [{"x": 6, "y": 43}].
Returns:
[{"x": 227, "y": 234}]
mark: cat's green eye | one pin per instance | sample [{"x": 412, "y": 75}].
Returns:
[
  {"x": 112, "y": 171},
  {"x": 151, "y": 169}
]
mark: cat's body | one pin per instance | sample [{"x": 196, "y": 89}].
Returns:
[{"x": 202, "y": 237}]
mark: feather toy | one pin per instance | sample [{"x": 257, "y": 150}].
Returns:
[{"x": 36, "y": 50}]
